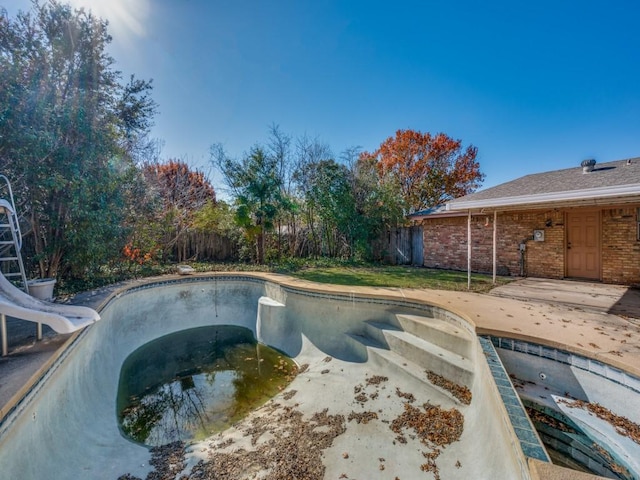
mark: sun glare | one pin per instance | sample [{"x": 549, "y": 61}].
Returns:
[{"x": 126, "y": 17}]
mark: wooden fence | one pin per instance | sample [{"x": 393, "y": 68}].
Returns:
[
  {"x": 404, "y": 246},
  {"x": 209, "y": 247}
]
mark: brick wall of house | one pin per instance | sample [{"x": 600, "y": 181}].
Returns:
[
  {"x": 543, "y": 259},
  {"x": 445, "y": 243},
  {"x": 620, "y": 246}
]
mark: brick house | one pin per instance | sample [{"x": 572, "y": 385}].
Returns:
[{"x": 578, "y": 223}]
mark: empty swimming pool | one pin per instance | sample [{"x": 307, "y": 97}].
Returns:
[{"x": 385, "y": 385}]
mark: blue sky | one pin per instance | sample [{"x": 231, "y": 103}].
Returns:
[{"x": 535, "y": 86}]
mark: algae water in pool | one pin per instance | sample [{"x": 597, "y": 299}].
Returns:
[{"x": 196, "y": 382}]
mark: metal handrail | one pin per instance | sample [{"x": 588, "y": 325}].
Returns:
[{"x": 14, "y": 212}]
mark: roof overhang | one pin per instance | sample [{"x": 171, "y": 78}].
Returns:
[
  {"x": 445, "y": 214},
  {"x": 588, "y": 197}
]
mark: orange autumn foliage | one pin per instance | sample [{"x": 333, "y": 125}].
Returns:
[
  {"x": 180, "y": 186},
  {"x": 134, "y": 254},
  {"x": 428, "y": 169},
  {"x": 177, "y": 193}
]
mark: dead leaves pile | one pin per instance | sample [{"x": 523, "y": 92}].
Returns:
[
  {"x": 287, "y": 446},
  {"x": 461, "y": 392},
  {"x": 434, "y": 427},
  {"x": 623, "y": 425},
  {"x": 167, "y": 460}
]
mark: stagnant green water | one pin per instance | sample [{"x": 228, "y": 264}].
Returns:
[{"x": 190, "y": 384}]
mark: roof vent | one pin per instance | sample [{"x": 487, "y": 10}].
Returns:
[{"x": 587, "y": 165}]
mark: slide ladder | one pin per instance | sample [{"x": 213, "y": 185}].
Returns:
[{"x": 11, "y": 239}]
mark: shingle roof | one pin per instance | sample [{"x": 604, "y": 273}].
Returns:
[{"x": 620, "y": 173}]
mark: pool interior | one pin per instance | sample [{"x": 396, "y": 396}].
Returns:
[
  {"x": 191, "y": 384},
  {"x": 362, "y": 337}
]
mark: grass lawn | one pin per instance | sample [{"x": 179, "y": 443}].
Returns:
[
  {"x": 320, "y": 270},
  {"x": 397, "y": 276}
]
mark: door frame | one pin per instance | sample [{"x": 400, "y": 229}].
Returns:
[{"x": 567, "y": 223}]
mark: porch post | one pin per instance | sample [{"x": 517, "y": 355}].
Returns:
[
  {"x": 495, "y": 244},
  {"x": 469, "y": 251},
  {"x": 3, "y": 333}
]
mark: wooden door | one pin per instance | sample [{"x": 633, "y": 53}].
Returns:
[{"x": 583, "y": 244}]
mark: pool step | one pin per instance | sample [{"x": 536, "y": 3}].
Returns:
[
  {"x": 362, "y": 344},
  {"x": 430, "y": 356},
  {"x": 375, "y": 330},
  {"x": 427, "y": 355},
  {"x": 395, "y": 362},
  {"x": 442, "y": 333}
]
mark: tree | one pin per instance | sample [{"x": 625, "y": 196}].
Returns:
[
  {"x": 308, "y": 153},
  {"x": 378, "y": 206},
  {"x": 180, "y": 186},
  {"x": 428, "y": 169},
  {"x": 69, "y": 128},
  {"x": 279, "y": 148},
  {"x": 328, "y": 197},
  {"x": 257, "y": 186},
  {"x": 347, "y": 206},
  {"x": 182, "y": 193}
]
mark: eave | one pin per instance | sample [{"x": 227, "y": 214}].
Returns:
[{"x": 574, "y": 198}]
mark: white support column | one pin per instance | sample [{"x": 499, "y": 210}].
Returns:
[
  {"x": 495, "y": 245},
  {"x": 3, "y": 332},
  {"x": 469, "y": 251}
]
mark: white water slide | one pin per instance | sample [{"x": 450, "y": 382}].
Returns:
[
  {"x": 17, "y": 303},
  {"x": 61, "y": 318}
]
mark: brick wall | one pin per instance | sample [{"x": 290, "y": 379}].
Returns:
[
  {"x": 620, "y": 246},
  {"x": 445, "y": 243},
  {"x": 543, "y": 259}
]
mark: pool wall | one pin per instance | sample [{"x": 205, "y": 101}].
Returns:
[
  {"x": 66, "y": 427},
  {"x": 324, "y": 319}
]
